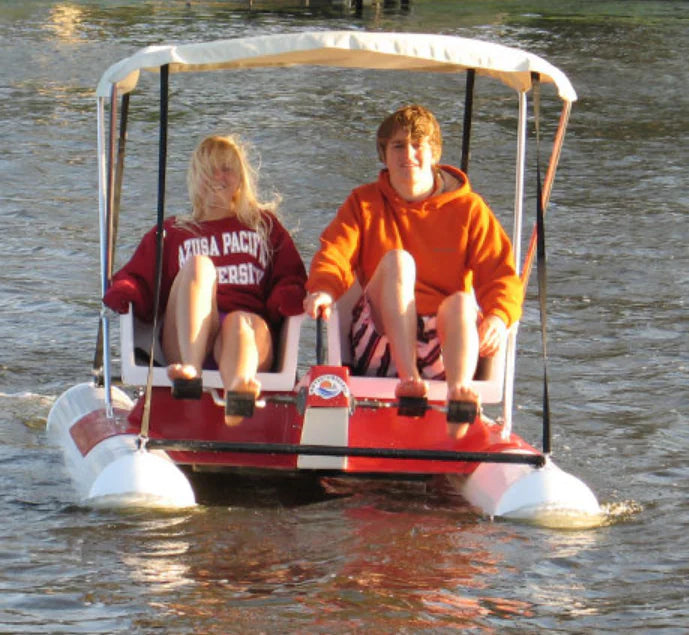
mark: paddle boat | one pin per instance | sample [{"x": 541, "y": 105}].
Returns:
[{"x": 138, "y": 443}]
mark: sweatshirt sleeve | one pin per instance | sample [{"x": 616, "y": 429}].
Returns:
[
  {"x": 288, "y": 276},
  {"x": 135, "y": 281},
  {"x": 497, "y": 286},
  {"x": 331, "y": 267}
]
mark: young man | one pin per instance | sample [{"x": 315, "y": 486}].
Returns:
[{"x": 437, "y": 269}]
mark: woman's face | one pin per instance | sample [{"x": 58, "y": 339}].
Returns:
[
  {"x": 410, "y": 163},
  {"x": 224, "y": 183},
  {"x": 226, "y": 178}
]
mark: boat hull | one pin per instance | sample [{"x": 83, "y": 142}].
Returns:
[{"x": 108, "y": 466}]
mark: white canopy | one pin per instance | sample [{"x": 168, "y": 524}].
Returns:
[{"x": 348, "y": 49}]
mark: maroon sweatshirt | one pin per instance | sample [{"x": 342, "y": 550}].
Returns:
[{"x": 265, "y": 279}]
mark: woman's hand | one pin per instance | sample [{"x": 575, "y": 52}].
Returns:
[
  {"x": 284, "y": 301},
  {"x": 491, "y": 333},
  {"x": 120, "y": 294},
  {"x": 318, "y": 302}
]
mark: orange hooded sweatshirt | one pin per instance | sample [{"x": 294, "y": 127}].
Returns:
[{"x": 455, "y": 240}]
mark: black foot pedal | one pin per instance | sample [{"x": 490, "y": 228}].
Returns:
[
  {"x": 239, "y": 403},
  {"x": 187, "y": 388},
  {"x": 412, "y": 406},
  {"x": 462, "y": 411}
]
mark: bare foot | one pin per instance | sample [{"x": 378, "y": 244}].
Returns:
[
  {"x": 182, "y": 371},
  {"x": 461, "y": 393},
  {"x": 242, "y": 385},
  {"x": 411, "y": 388},
  {"x": 457, "y": 430}
]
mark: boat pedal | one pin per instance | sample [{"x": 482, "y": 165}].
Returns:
[
  {"x": 187, "y": 388},
  {"x": 412, "y": 406},
  {"x": 462, "y": 411},
  {"x": 239, "y": 403}
]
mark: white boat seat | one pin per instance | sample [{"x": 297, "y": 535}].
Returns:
[
  {"x": 136, "y": 334},
  {"x": 489, "y": 379}
]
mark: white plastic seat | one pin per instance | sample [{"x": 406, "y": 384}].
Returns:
[
  {"x": 489, "y": 381},
  {"x": 135, "y": 333}
]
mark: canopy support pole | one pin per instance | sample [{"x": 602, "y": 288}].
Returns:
[
  {"x": 106, "y": 178},
  {"x": 547, "y": 188},
  {"x": 468, "y": 114},
  {"x": 119, "y": 170},
  {"x": 110, "y": 225},
  {"x": 162, "y": 167},
  {"x": 541, "y": 264},
  {"x": 511, "y": 352}
]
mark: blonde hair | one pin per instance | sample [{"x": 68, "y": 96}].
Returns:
[
  {"x": 217, "y": 151},
  {"x": 419, "y": 123}
]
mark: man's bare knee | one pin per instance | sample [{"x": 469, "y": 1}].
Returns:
[
  {"x": 458, "y": 310},
  {"x": 459, "y": 304},
  {"x": 397, "y": 263}
]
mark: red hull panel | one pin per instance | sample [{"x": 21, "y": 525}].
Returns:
[
  {"x": 383, "y": 428},
  {"x": 203, "y": 420}
]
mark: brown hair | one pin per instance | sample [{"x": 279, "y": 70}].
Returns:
[{"x": 418, "y": 121}]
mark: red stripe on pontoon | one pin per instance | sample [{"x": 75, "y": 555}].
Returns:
[{"x": 95, "y": 427}]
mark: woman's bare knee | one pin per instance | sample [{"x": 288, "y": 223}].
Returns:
[
  {"x": 190, "y": 308},
  {"x": 198, "y": 269},
  {"x": 241, "y": 329}
]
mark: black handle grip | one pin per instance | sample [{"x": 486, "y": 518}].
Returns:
[{"x": 320, "y": 344}]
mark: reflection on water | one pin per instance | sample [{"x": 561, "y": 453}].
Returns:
[
  {"x": 64, "y": 21},
  {"x": 333, "y": 565}
]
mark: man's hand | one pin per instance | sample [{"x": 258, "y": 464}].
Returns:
[
  {"x": 318, "y": 302},
  {"x": 491, "y": 333}
]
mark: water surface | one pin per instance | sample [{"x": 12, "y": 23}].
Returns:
[{"x": 373, "y": 558}]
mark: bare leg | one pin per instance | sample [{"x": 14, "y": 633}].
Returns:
[
  {"x": 191, "y": 318},
  {"x": 457, "y": 316},
  {"x": 243, "y": 348},
  {"x": 391, "y": 294}
]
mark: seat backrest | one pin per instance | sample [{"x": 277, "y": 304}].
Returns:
[
  {"x": 489, "y": 379},
  {"x": 339, "y": 325},
  {"x": 135, "y": 333}
]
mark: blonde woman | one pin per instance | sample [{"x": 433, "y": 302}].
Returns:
[{"x": 230, "y": 274}]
